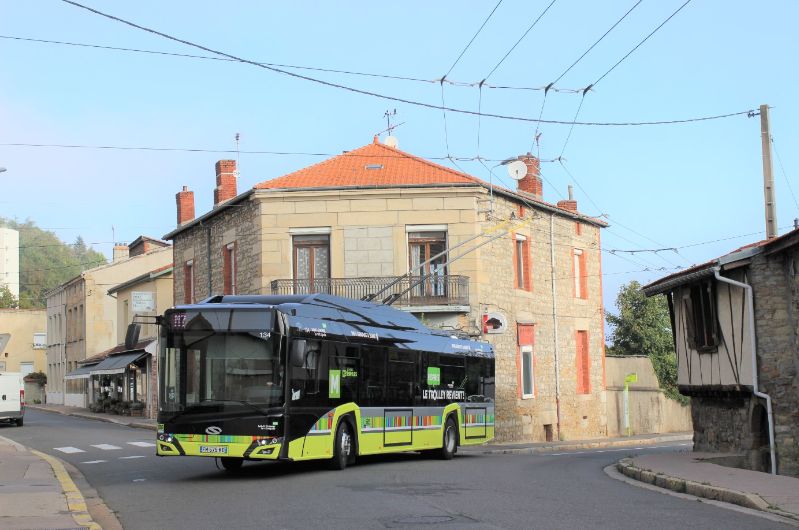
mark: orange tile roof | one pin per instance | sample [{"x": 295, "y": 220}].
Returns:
[{"x": 374, "y": 164}]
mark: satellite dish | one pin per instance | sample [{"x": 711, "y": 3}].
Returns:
[
  {"x": 517, "y": 170},
  {"x": 391, "y": 141}
]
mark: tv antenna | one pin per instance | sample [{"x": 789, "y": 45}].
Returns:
[{"x": 237, "y": 151}]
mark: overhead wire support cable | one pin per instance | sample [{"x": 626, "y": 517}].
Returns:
[
  {"x": 586, "y": 52},
  {"x": 639, "y": 44},
  {"x": 544, "y": 12},
  {"x": 471, "y": 41},
  {"x": 395, "y": 98}
]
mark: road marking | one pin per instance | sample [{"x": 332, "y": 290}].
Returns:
[
  {"x": 94, "y": 462},
  {"x": 107, "y": 447},
  {"x": 616, "y": 450},
  {"x": 69, "y": 450},
  {"x": 75, "y": 501},
  {"x": 130, "y": 457},
  {"x": 139, "y": 479},
  {"x": 142, "y": 444}
]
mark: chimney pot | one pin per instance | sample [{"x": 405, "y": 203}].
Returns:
[
  {"x": 225, "y": 181},
  {"x": 185, "y": 203}
]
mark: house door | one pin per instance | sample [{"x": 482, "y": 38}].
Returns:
[{"x": 311, "y": 264}]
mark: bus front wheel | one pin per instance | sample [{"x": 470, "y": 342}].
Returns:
[
  {"x": 343, "y": 448},
  {"x": 231, "y": 464},
  {"x": 450, "y": 440}
]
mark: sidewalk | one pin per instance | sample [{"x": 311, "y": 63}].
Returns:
[
  {"x": 686, "y": 472},
  {"x": 642, "y": 440},
  {"x": 37, "y": 492},
  {"x": 130, "y": 421}
]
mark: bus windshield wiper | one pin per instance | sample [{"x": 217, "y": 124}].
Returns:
[{"x": 240, "y": 402}]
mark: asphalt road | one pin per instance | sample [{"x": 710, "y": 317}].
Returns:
[{"x": 473, "y": 491}]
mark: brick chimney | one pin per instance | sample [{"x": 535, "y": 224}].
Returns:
[
  {"x": 185, "y": 201},
  {"x": 121, "y": 252},
  {"x": 225, "y": 181},
  {"x": 569, "y": 204},
  {"x": 531, "y": 183}
]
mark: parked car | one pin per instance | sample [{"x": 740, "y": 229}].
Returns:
[{"x": 12, "y": 397}]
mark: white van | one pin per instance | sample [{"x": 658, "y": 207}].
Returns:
[{"x": 12, "y": 397}]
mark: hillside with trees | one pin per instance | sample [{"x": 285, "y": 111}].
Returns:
[{"x": 45, "y": 262}]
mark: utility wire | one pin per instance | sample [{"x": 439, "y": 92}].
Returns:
[
  {"x": 448, "y": 81},
  {"x": 782, "y": 168},
  {"x": 394, "y": 98},
  {"x": 518, "y": 41},
  {"x": 471, "y": 41},
  {"x": 639, "y": 44},
  {"x": 566, "y": 71}
]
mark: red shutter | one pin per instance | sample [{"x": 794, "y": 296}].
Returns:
[
  {"x": 225, "y": 270},
  {"x": 583, "y": 277},
  {"x": 528, "y": 281},
  {"x": 516, "y": 270},
  {"x": 583, "y": 363},
  {"x": 187, "y": 281}
]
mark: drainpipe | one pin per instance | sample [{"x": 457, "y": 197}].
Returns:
[
  {"x": 555, "y": 319},
  {"x": 755, "y": 390}
]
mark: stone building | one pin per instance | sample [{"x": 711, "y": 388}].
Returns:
[
  {"x": 522, "y": 273},
  {"x": 22, "y": 340},
  {"x": 82, "y": 319},
  {"x": 735, "y": 325}
]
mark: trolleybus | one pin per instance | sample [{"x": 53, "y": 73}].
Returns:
[{"x": 316, "y": 377}]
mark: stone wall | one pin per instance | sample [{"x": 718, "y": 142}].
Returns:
[
  {"x": 776, "y": 292},
  {"x": 237, "y": 223}
]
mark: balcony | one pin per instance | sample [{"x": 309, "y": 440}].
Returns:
[{"x": 438, "y": 293}]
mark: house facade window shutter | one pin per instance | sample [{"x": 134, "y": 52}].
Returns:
[
  {"x": 583, "y": 362},
  {"x": 188, "y": 282},
  {"x": 528, "y": 274},
  {"x": 525, "y": 361},
  {"x": 516, "y": 270}
]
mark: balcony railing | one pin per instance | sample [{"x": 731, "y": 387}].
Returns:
[{"x": 437, "y": 290}]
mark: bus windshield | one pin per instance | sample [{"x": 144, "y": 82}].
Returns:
[{"x": 210, "y": 364}]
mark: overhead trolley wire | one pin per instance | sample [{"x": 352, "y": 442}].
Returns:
[{"x": 395, "y": 98}]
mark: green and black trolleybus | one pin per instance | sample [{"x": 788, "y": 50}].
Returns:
[{"x": 316, "y": 376}]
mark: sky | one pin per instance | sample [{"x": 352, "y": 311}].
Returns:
[{"x": 695, "y": 187}]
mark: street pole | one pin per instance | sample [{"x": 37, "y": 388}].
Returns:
[{"x": 768, "y": 177}]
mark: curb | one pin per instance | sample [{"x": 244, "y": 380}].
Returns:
[
  {"x": 705, "y": 491},
  {"x": 109, "y": 419},
  {"x": 596, "y": 444},
  {"x": 75, "y": 501}
]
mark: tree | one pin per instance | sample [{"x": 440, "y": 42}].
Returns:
[
  {"x": 643, "y": 327},
  {"x": 7, "y": 298},
  {"x": 46, "y": 262}
]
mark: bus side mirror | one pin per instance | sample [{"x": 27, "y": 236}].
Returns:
[
  {"x": 297, "y": 355},
  {"x": 132, "y": 336}
]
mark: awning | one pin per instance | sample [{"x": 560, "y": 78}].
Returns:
[
  {"x": 81, "y": 373},
  {"x": 117, "y": 364}
]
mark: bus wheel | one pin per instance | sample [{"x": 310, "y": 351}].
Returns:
[
  {"x": 449, "y": 445},
  {"x": 342, "y": 450},
  {"x": 19, "y": 422},
  {"x": 231, "y": 464}
]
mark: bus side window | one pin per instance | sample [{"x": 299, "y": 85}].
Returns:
[
  {"x": 402, "y": 378},
  {"x": 373, "y": 366},
  {"x": 453, "y": 372}
]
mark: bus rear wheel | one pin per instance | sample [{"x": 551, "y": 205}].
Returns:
[
  {"x": 450, "y": 440},
  {"x": 231, "y": 464},
  {"x": 343, "y": 447}
]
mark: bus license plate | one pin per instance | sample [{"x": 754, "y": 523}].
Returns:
[{"x": 213, "y": 449}]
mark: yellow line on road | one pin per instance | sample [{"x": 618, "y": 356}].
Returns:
[{"x": 75, "y": 500}]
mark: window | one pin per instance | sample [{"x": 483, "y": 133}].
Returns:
[
  {"x": 229, "y": 268},
  {"x": 311, "y": 263},
  {"x": 528, "y": 376},
  {"x": 580, "y": 276},
  {"x": 700, "y": 310},
  {"x": 583, "y": 363},
  {"x": 39, "y": 341},
  {"x": 525, "y": 365},
  {"x": 521, "y": 262},
  {"x": 188, "y": 282},
  {"x": 424, "y": 260}
]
